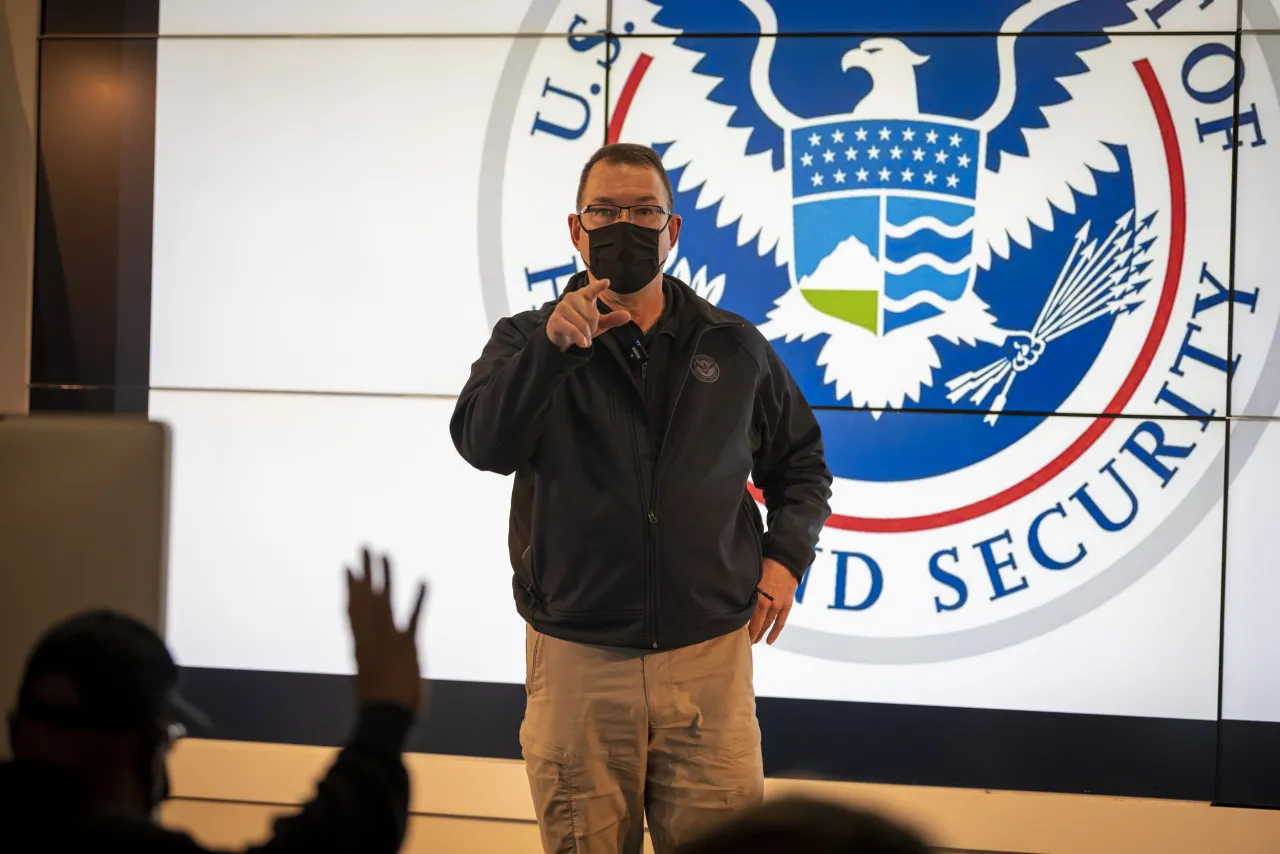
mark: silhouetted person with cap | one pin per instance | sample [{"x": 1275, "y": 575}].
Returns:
[
  {"x": 98, "y": 711},
  {"x": 804, "y": 826}
]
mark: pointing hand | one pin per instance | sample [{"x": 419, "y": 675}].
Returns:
[{"x": 577, "y": 320}]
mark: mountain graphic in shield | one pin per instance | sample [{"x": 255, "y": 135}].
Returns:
[{"x": 883, "y": 212}]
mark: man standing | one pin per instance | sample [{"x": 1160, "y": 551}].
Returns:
[{"x": 633, "y": 413}]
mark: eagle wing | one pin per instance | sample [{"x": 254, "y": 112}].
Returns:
[
  {"x": 697, "y": 108},
  {"x": 1055, "y": 133}
]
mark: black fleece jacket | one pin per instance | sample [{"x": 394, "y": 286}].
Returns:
[{"x": 636, "y": 531}]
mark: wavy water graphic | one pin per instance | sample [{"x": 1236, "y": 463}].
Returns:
[
  {"x": 929, "y": 298},
  {"x": 929, "y": 223},
  {"x": 928, "y": 259},
  {"x": 897, "y": 319},
  {"x": 949, "y": 249},
  {"x": 947, "y": 286}
]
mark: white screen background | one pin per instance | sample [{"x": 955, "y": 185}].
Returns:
[{"x": 316, "y": 305}]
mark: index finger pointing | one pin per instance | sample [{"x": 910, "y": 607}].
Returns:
[{"x": 594, "y": 289}]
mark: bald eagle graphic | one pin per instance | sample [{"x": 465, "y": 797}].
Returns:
[{"x": 884, "y": 215}]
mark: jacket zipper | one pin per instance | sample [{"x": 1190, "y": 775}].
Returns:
[
  {"x": 651, "y": 561},
  {"x": 532, "y": 587},
  {"x": 657, "y": 462},
  {"x": 649, "y": 548}
]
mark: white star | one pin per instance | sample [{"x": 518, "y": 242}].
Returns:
[
  {"x": 814, "y": 139},
  {"x": 873, "y": 153},
  {"x": 851, "y": 153},
  {"x": 941, "y": 157},
  {"x": 907, "y": 175},
  {"x": 955, "y": 140},
  {"x": 828, "y": 156},
  {"x": 860, "y": 134},
  {"x": 817, "y": 179},
  {"x": 895, "y": 153},
  {"x": 931, "y": 137},
  {"x": 929, "y": 177},
  {"x": 884, "y": 133},
  {"x": 884, "y": 174},
  {"x": 806, "y": 159},
  {"x": 837, "y": 137},
  {"x": 839, "y": 177},
  {"x": 918, "y": 154},
  {"x": 862, "y": 174},
  {"x": 952, "y": 181},
  {"x": 909, "y": 134},
  {"x": 963, "y": 160}
]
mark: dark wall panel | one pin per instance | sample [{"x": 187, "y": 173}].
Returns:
[
  {"x": 92, "y": 294},
  {"x": 101, "y": 17}
]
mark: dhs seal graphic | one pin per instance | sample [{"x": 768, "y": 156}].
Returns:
[
  {"x": 1007, "y": 267},
  {"x": 705, "y": 368}
]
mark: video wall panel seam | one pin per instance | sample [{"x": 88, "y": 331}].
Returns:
[{"x": 1226, "y": 473}]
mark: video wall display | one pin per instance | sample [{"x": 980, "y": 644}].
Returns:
[{"x": 1017, "y": 256}]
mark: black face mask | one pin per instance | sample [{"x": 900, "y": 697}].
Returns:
[{"x": 626, "y": 254}]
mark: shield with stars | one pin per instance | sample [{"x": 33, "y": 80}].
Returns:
[{"x": 883, "y": 212}]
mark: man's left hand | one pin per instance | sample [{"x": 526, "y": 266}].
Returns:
[{"x": 778, "y": 591}]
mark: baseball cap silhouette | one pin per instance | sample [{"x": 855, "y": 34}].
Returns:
[
  {"x": 805, "y": 824},
  {"x": 104, "y": 671}
]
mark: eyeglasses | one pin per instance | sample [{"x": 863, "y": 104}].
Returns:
[{"x": 646, "y": 216}]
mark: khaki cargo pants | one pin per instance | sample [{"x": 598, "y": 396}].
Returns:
[{"x": 611, "y": 735}]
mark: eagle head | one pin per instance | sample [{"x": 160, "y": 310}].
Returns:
[{"x": 882, "y": 54}]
